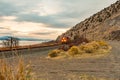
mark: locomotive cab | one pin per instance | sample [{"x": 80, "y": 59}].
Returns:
[{"x": 65, "y": 40}]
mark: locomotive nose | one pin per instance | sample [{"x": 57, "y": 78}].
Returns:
[{"x": 64, "y": 40}]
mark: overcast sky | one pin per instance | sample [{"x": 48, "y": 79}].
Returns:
[{"x": 45, "y": 19}]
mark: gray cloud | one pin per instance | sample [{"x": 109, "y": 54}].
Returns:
[
  {"x": 2, "y": 28},
  {"x": 79, "y": 9},
  {"x": 72, "y": 9},
  {"x": 6, "y": 33},
  {"x": 1, "y": 19},
  {"x": 49, "y": 20},
  {"x": 43, "y": 33},
  {"x": 7, "y": 9}
]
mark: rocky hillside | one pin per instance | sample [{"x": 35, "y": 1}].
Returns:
[{"x": 102, "y": 25}]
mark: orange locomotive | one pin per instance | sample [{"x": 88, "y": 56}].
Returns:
[{"x": 67, "y": 42}]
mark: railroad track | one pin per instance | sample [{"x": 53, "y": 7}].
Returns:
[
  {"x": 23, "y": 50},
  {"x": 2, "y": 49}
]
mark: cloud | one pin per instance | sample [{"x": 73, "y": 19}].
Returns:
[
  {"x": 30, "y": 29},
  {"x": 48, "y": 20},
  {"x": 8, "y": 17},
  {"x": 78, "y": 10},
  {"x": 63, "y": 13},
  {"x": 48, "y": 7},
  {"x": 2, "y": 28},
  {"x": 7, "y": 9},
  {"x": 43, "y": 33},
  {"x": 4, "y": 31}
]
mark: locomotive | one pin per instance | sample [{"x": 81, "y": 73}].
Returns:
[{"x": 67, "y": 43}]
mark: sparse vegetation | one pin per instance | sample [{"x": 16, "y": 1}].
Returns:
[
  {"x": 84, "y": 77},
  {"x": 15, "y": 72},
  {"x": 94, "y": 47},
  {"x": 56, "y": 53},
  {"x": 88, "y": 49},
  {"x": 74, "y": 50},
  {"x": 102, "y": 43}
]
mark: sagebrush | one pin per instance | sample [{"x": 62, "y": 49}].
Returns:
[{"x": 94, "y": 47}]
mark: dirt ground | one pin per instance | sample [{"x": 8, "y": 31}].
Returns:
[{"x": 107, "y": 66}]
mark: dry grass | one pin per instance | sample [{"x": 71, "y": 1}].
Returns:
[
  {"x": 102, "y": 43},
  {"x": 87, "y": 48},
  {"x": 94, "y": 47},
  {"x": 84, "y": 77},
  {"x": 56, "y": 53},
  {"x": 15, "y": 72},
  {"x": 74, "y": 50}
]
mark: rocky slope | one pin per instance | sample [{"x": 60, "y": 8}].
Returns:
[{"x": 102, "y": 25}]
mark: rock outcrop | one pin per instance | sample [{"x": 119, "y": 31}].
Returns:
[{"x": 102, "y": 25}]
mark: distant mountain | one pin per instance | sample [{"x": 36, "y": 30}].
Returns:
[
  {"x": 23, "y": 39},
  {"x": 5, "y": 37},
  {"x": 102, "y": 25}
]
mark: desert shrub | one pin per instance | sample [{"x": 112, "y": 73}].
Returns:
[
  {"x": 73, "y": 51},
  {"x": 16, "y": 72},
  {"x": 95, "y": 44},
  {"x": 81, "y": 47},
  {"x": 102, "y": 43},
  {"x": 55, "y": 53},
  {"x": 89, "y": 49}
]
